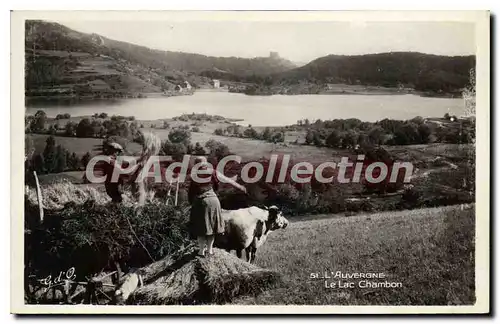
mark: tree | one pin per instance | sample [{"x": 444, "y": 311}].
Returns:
[
  {"x": 309, "y": 137},
  {"x": 333, "y": 140},
  {"x": 175, "y": 150},
  {"x": 85, "y": 159},
  {"x": 38, "y": 121},
  {"x": 60, "y": 164},
  {"x": 70, "y": 129},
  {"x": 417, "y": 120},
  {"x": 424, "y": 133},
  {"x": 52, "y": 129},
  {"x": 198, "y": 149},
  {"x": 63, "y": 116},
  {"x": 407, "y": 134},
  {"x": 217, "y": 149},
  {"x": 49, "y": 154},
  {"x": 251, "y": 133},
  {"x": 179, "y": 136},
  {"x": 318, "y": 139},
  {"x": 376, "y": 135},
  {"x": 350, "y": 139},
  {"x": 73, "y": 162},
  {"x": 38, "y": 163},
  {"x": 85, "y": 128},
  {"x": 266, "y": 134},
  {"x": 278, "y": 137}
]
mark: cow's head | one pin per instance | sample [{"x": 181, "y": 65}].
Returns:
[{"x": 276, "y": 219}]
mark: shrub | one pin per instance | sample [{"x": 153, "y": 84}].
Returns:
[
  {"x": 251, "y": 133},
  {"x": 175, "y": 150},
  {"x": 278, "y": 137},
  {"x": 217, "y": 150},
  {"x": 63, "y": 116},
  {"x": 179, "y": 136}
]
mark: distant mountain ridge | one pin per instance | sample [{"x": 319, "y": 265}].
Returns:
[{"x": 64, "y": 62}]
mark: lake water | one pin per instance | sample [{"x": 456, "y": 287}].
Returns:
[{"x": 275, "y": 110}]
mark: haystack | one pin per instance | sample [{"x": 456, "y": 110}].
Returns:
[
  {"x": 186, "y": 278},
  {"x": 55, "y": 196}
]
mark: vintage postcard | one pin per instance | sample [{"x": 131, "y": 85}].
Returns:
[{"x": 250, "y": 162}]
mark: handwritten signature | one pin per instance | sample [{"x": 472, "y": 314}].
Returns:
[{"x": 49, "y": 282}]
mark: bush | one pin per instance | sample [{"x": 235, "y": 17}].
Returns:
[
  {"x": 217, "y": 150},
  {"x": 63, "y": 116},
  {"x": 175, "y": 150},
  {"x": 363, "y": 205},
  {"x": 278, "y": 137},
  {"x": 251, "y": 133},
  {"x": 179, "y": 136}
]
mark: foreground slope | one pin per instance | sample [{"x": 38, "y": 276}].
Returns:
[{"x": 429, "y": 251}]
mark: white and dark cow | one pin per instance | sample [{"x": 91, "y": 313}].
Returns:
[{"x": 248, "y": 228}]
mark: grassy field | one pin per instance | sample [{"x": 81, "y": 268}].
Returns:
[
  {"x": 246, "y": 148},
  {"x": 429, "y": 251},
  {"x": 78, "y": 145}
]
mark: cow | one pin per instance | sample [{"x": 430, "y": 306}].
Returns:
[{"x": 247, "y": 229}]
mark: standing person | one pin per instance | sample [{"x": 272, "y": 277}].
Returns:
[
  {"x": 206, "y": 218},
  {"x": 112, "y": 188}
]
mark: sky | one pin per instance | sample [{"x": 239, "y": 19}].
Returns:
[{"x": 297, "y": 41}]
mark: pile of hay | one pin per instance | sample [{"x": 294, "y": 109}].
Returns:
[
  {"x": 82, "y": 230},
  {"x": 188, "y": 279},
  {"x": 57, "y": 195}
]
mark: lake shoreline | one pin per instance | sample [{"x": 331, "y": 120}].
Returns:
[
  {"x": 340, "y": 89},
  {"x": 276, "y": 110}
]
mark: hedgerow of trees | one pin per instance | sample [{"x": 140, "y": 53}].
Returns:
[
  {"x": 55, "y": 159},
  {"x": 270, "y": 135},
  {"x": 99, "y": 126},
  {"x": 348, "y": 133}
]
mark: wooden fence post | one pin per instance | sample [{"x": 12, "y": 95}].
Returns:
[
  {"x": 169, "y": 190},
  {"x": 176, "y": 190},
  {"x": 39, "y": 196}
]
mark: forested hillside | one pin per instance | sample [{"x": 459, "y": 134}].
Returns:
[
  {"x": 61, "y": 61},
  {"x": 422, "y": 72},
  {"x": 64, "y": 62}
]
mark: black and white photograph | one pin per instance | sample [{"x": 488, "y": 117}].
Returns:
[{"x": 250, "y": 159}]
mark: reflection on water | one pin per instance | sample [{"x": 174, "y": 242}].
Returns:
[{"x": 275, "y": 110}]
